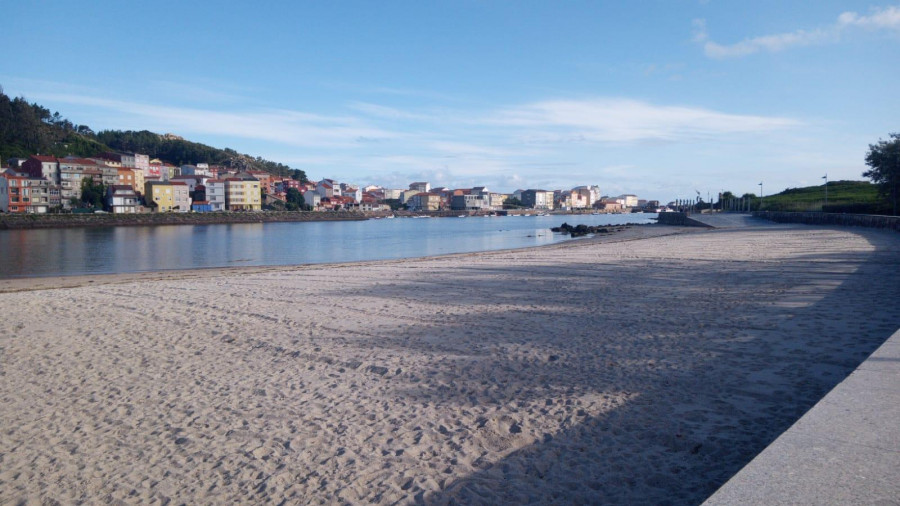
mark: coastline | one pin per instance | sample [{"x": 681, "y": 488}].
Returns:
[
  {"x": 619, "y": 369},
  {"x": 39, "y": 221},
  {"x": 21, "y": 221},
  {"x": 28, "y": 284}
]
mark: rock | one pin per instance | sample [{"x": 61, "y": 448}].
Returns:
[
  {"x": 582, "y": 230},
  {"x": 381, "y": 371}
]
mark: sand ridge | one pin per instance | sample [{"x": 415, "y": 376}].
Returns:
[{"x": 641, "y": 370}]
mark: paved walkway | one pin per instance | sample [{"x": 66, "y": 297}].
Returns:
[
  {"x": 728, "y": 220},
  {"x": 845, "y": 450}
]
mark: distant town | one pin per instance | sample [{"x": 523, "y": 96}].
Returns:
[{"x": 133, "y": 183}]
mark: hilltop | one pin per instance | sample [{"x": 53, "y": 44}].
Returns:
[{"x": 29, "y": 128}]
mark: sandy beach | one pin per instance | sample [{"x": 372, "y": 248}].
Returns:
[{"x": 645, "y": 367}]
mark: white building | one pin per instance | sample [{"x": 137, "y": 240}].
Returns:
[
  {"x": 420, "y": 187},
  {"x": 122, "y": 199},
  {"x": 591, "y": 193},
  {"x": 628, "y": 200},
  {"x": 349, "y": 190},
  {"x": 328, "y": 188},
  {"x": 215, "y": 194},
  {"x": 311, "y": 198}
]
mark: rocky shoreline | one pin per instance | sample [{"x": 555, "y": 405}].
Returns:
[{"x": 583, "y": 230}]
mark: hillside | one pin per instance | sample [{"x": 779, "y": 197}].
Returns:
[
  {"x": 27, "y": 129},
  {"x": 843, "y": 196}
]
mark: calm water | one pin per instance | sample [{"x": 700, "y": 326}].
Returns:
[{"x": 64, "y": 252}]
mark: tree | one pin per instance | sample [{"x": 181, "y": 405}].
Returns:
[
  {"x": 92, "y": 194},
  {"x": 394, "y": 204},
  {"x": 512, "y": 203},
  {"x": 298, "y": 175},
  {"x": 884, "y": 160},
  {"x": 294, "y": 199}
]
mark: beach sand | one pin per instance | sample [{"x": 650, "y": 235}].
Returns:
[{"x": 647, "y": 367}]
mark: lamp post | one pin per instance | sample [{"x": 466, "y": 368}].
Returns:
[
  {"x": 760, "y": 196},
  {"x": 825, "y": 177}
]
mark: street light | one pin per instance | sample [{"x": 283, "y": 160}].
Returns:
[
  {"x": 760, "y": 196},
  {"x": 825, "y": 177}
]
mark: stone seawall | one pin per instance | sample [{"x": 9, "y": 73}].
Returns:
[
  {"x": 679, "y": 220},
  {"x": 30, "y": 221},
  {"x": 846, "y": 220}
]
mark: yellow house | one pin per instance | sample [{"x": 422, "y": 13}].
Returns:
[
  {"x": 242, "y": 194},
  {"x": 138, "y": 179},
  {"x": 161, "y": 194}
]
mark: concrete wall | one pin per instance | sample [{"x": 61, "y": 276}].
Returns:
[
  {"x": 845, "y": 450},
  {"x": 679, "y": 220},
  {"x": 847, "y": 220}
]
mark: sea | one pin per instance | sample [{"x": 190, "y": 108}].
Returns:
[{"x": 116, "y": 250}]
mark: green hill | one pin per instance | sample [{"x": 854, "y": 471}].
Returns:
[
  {"x": 27, "y": 129},
  {"x": 843, "y": 197}
]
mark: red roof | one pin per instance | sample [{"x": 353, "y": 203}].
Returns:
[
  {"x": 177, "y": 183},
  {"x": 44, "y": 158},
  {"x": 75, "y": 159}
]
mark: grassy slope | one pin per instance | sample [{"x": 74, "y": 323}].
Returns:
[{"x": 812, "y": 198}]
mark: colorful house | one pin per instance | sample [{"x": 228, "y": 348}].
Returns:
[
  {"x": 242, "y": 194},
  {"x": 14, "y": 195},
  {"x": 159, "y": 196}
]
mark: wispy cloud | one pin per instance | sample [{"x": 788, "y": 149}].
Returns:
[
  {"x": 385, "y": 112},
  {"x": 881, "y": 19},
  {"x": 623, "y": 120},
  {"x": 288, "y": 127}
]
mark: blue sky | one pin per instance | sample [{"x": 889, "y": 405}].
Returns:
[{"x": 660, "y": 99}]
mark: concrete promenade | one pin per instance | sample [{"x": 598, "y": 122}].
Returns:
[{"x": 845, "y": 450}]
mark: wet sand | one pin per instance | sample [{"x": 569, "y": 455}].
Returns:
[{"x": 645, "y": 368}]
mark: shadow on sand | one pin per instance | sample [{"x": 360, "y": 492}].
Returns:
[{"x": 715, "y": 358}]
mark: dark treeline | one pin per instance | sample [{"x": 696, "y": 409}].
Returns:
[
  {"x": 29, "y": 128},
  {"x": 26, "y": 129}
]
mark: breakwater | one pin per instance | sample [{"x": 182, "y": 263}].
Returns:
[
  {"x": 35, "y": 221},
  {"x": 845, "y": 220},
  {"x": 679, "y": 220}
]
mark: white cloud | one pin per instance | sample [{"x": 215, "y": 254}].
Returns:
[
  {"x": 287, "y": 127},
  {"x": 384, "y": 112},
  {"x": 770, "y": 43},
  {"x": 881, "y": 19},
  {"x": 624, "y": 120}
]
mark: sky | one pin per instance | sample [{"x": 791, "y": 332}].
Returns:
[{"x": 662, "y": 99}]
